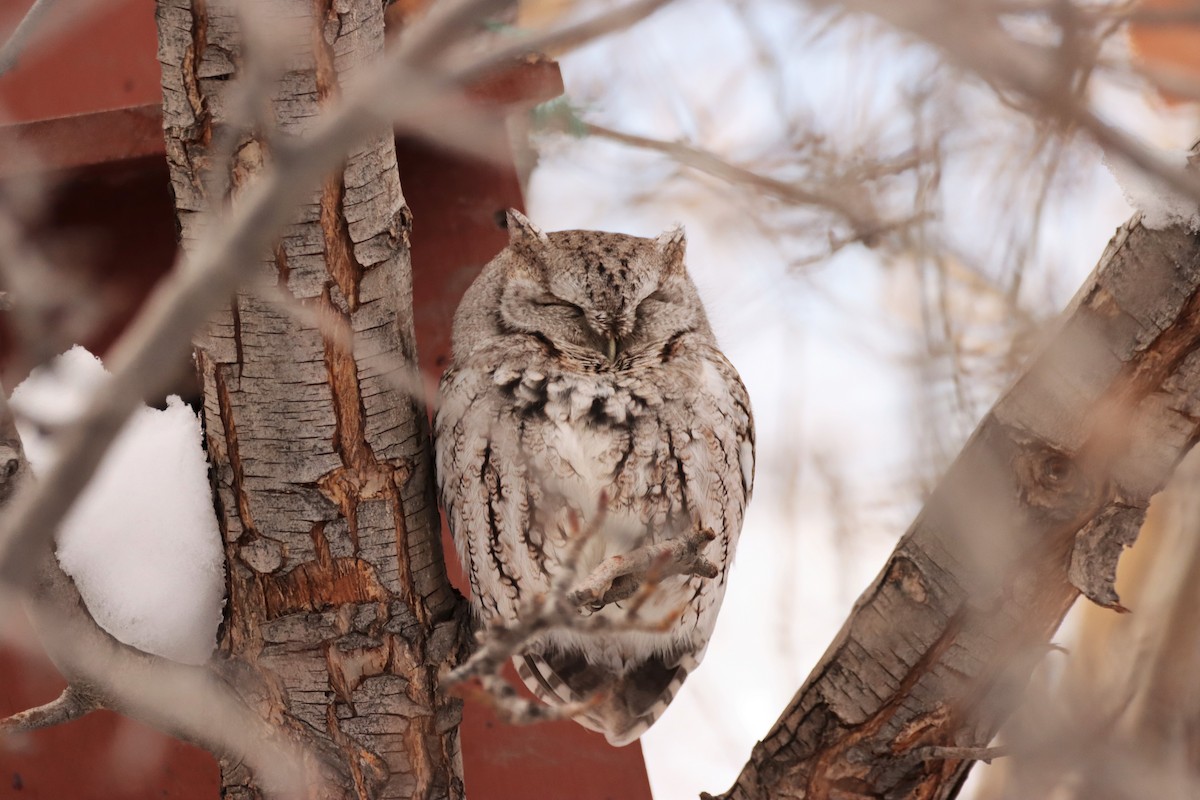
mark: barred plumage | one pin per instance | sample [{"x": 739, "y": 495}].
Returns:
[{"x": 584, "y": 375}]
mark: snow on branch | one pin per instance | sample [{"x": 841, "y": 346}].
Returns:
[{"x": 189, "y": 702}]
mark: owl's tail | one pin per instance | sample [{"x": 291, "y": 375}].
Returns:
[{"x": 625, "y": 701}]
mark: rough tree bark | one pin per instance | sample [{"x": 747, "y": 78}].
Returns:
[
  {"x": 339, "y": 607},
  {"x": 1052, "y": 485}
]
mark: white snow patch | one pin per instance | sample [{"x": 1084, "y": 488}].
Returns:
[
  {"x": 1161, "y": 206},
  {"x": 142, "y": 541}
]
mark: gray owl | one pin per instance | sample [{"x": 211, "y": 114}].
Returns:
[{"x": 586, "y": 384}]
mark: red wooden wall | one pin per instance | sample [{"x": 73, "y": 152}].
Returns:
[{"x": 82, "y": 113}]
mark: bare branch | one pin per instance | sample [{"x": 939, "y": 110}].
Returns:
[
  {"x": 858, "y": 214},
  {"x": 497, "y": 642},
  {"x": 950, "y": 752},
  {"x": 443, "y": 26},
  {"x": 566, "y": 37},
  {"x": 73, "y": 703},
  {"x": 38, "y": 291},
  {"x": 11, "y": 52},
  {"x": 631, "y": 576},
  {"x": 621, "y": 576},
  {"x": 514, "y": 709},
  {"x": 971, "y": 37},
  {"x": 190, "y": 703}
]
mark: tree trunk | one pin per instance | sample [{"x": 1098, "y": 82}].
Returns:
[
  {"x": 1037, "y": 508},
  {"x": 338, "y": 602}
]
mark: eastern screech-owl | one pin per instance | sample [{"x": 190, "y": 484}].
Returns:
[{"x": 585, "y": 375}]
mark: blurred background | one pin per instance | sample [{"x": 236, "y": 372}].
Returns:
[
  {"x": 871, "y": 346},
  {"x": 880, "y": 236}
]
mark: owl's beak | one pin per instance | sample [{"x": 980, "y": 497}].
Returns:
[{"x": 612, "y": 348}]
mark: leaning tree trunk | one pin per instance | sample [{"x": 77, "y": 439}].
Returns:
[
  {"x": 338, "y": 601},
  {"x": 1037, "y": 508}
]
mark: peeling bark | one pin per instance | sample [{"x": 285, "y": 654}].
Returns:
[
  {"x": 1049, "y": 490},
  {"x": 338, "y": 599}
]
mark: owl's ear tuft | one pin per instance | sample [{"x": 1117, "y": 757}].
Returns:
[
  {"x": 672, "y": 243},
  {"x": 523, "y": 234}
]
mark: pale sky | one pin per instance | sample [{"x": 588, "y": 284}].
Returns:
[{"x": 820, "y": 352}]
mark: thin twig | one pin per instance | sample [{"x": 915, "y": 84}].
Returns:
[
  {"x": 517, "y": 710},
  {"x": 619, "y": 577},
  {"x": 865, "y": 225},
  {"x": 951, "y": 752},
  {"x": 12, "y": 50},
  {"x": 631, "y": 576},
  {"x": 977, "y": 42},
  {"x": 73, "y": 703}
]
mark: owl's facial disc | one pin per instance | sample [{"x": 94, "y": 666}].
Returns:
[{"x": 610, "y": 296}]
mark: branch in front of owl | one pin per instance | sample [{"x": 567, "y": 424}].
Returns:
[
  {"x": 630, "y": 577},
  {"x": 497, "y": 642},
  {"x": 619, "y": 577},
  {"x": 563, "y": 608}
]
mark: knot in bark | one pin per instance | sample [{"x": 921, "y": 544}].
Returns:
[{"x": 1055, "y": 482}]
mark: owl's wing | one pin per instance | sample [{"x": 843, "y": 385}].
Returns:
[
  {"x": 712, "y": 447},
  {"x": 626, "y": 703},
  {"x": 483, "y": 488}
]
